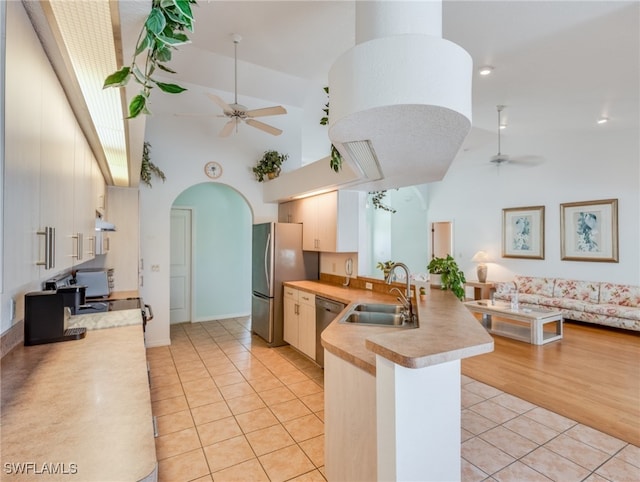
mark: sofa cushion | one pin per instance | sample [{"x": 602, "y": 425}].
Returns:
[
  {"x": 565, "y": 303},
  {"x": 624, "y": 295},
  {"x": 587, "y": 291},
  {"x": 615, "y": 321},
  {"x": 628, "y": 312},
  {"x": 531, "y": 299},
  {"x": 535, "y": 286}
]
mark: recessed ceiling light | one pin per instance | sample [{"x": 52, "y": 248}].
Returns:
[
  {"x": 486, "y": 70},
  {"x": 603, "y": 120}
]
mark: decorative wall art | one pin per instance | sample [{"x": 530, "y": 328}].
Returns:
[
  {"x": 589, "y": 231},
  {"x": 523, "y": 232}
]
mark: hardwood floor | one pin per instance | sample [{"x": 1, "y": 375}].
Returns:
[{"x": 592, "y": 376}]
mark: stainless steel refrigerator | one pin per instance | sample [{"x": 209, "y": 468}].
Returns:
[{"x": 277, "y": 256}]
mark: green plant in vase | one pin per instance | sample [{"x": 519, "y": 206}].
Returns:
[
  {"x": 385, "y": 267},
  {"x": 269, "y": 165},
  {"x": 452, "y": 277}
]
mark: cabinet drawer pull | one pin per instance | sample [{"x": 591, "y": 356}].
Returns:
[
  {"x": 79, "y": 246},
  {"x": 155, "y": 427},
  {"x": 49, "y": 234}
]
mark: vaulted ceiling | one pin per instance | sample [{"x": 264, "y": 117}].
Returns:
[{"x": 558, "y": 65}]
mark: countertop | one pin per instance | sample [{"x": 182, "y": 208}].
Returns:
[
  {"x": 108, "y": 319},
  {"x": 446, "y": 330},
  {"x": 81, "y": 409}
]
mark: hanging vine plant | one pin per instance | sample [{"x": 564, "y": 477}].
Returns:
[
  {"x": 336, "y": 159},
  {"x": 148, "y": 168},
  {"x": 376, "y": 200},
  {"x": 162, "y": 31}
]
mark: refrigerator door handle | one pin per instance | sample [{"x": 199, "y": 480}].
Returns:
[{"x": 266, "y": 262}]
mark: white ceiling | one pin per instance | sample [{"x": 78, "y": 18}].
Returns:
[{"x": 559, "y": 65}]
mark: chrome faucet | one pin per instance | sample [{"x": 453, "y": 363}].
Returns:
[{"x": 407, "y": 298}]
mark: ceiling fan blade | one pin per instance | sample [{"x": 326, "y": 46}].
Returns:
[
  {"x": 275, "y": 110},
  {"x": 528, "y": 161},
  {"x": 228, "y": 128},
  {"x": 225, "y": 107},
  {"x": 264, "y": 127},
  {"x": 194, "y": 114}
]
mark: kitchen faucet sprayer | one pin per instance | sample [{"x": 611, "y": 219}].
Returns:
[{"x": 407, "y": 297}]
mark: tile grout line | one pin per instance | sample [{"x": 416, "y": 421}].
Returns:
[{"x": 244, "y": 434}]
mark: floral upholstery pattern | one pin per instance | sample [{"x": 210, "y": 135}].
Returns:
[
  {"x": 623, "y": 295},
  {"x": 535, "y": 286},
  {"x": 602, "y": 303},
  {"x": 588, "y": 291}
]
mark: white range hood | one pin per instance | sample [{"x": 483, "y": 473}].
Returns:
[{"x": 400, "y": 100}]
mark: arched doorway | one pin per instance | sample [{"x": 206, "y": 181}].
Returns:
[{"x": 218, "y": 253}]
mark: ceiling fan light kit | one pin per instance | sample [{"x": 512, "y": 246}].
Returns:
[{"x": 238, "y": 113}]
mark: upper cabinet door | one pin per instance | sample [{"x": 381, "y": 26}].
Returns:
[{"x": 330, "y": 222}]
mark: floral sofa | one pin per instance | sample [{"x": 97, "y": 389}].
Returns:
[{"x": 603, "y": 303}]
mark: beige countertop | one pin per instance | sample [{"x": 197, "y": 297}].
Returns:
[
  {"x": 79, "y": 410},
  {"x": 447, "y": 331},
  {"x": 108, "y": 319}
]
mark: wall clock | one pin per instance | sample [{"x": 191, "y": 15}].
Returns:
[{"x": 213, "y": 170}]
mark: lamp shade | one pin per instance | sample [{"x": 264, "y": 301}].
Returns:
[{"x": 481, "y": 257}]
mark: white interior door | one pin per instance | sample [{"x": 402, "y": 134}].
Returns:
[{"x": 180, "y": 271}]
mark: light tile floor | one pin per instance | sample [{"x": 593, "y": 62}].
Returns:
[{"x": 231, "y": 409}]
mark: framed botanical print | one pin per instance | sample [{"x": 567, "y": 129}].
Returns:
[
  {"x": 589, "y": 231},
  {"x": 523, "y": 232}
]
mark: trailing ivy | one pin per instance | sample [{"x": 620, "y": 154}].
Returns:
[
  {"x": 376, "y": 200},
  {"x": 336, "y": 159},
  {"x": 148, "y": 168},
  {"x": 162, "y": 32}
]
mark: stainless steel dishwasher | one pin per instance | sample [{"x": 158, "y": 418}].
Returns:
[{"x": 326, "y": 312}]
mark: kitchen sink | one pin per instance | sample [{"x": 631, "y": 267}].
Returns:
[
  {"x": 374, "y": 318},
  {"x": 378, "y": 314},
  {"x": 379, "y": 308}
]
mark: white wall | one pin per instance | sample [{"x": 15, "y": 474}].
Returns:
[
  {"x": 181, "y": 146},
  {"x": 601, "y": 165},
  {"x": 221, "y": 246}
]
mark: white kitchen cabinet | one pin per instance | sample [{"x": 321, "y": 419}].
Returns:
[
  {"x": 23, "y": 101},
  {"x": 300, "y": 320},
  {"x": 330, "y": 222},
  {"x": 83, "y": 232},
  {"x": 291, "y": 323},
  {"x": 41, "y": 143},
  {"x": 307, "y": 324},
  {"x": 57, "y": 153}
]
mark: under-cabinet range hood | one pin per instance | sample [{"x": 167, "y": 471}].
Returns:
[
  {"x": 402, "y": 95},
  {"x": 102, "y": 225}
]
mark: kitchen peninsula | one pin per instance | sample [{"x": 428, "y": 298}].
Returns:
[
  {"x": 81, "y": 409},
  {"x": 392, "y": 395}
]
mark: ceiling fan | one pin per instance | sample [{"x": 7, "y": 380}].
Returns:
[
  {"x": 237, "y": 113},
  {"x": 501, "y": 158}
]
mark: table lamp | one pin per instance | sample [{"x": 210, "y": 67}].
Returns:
[{"x": 481, "y": 257}]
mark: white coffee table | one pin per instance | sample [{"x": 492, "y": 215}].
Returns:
[{"x": 527, "y": 324}]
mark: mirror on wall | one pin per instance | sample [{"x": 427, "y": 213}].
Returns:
[{"x": 394, "y": 228}]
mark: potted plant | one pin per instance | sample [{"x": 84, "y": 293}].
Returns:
[
  {"x": 269, "y": 165},
  {"x": 423, "y": 293},
  {"x": 385, "y": 267},
  {"x": 452, "y": 278}
]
